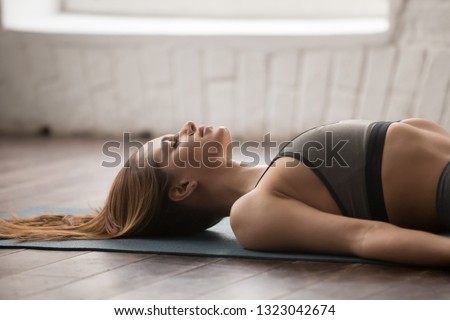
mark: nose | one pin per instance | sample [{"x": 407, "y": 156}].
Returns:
[{"x": 189, "y": 128}]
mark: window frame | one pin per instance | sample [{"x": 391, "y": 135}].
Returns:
[{"x": 45, "y": 16}]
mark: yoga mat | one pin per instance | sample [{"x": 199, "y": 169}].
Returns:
[{"x": 218, "y": 241}]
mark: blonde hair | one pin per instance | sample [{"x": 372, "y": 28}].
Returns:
[{"x": 136, "y": 206}]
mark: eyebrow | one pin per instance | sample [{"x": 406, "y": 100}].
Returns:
[
  {"x": 165, "y": 138},
  {"x": 168, "y": 137}
]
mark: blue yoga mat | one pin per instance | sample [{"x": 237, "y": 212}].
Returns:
[{"x": 218, "y": 241}]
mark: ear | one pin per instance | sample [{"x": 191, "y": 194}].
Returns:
[{"x": 182, "y": 190}]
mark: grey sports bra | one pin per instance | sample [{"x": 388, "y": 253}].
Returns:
[{"x": 346, "y": 156}]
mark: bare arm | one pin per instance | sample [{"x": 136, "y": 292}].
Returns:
[{"x": 275, "y": 223}]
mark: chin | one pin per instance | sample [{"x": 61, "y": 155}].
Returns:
[{"x": 223, "y": 135}]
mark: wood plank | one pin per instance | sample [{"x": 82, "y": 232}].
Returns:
[
  {"x": 198, "y": 281},
  {"x": 279, "y": 281},
  {"x": 25, "y": 260},
  {"x": 60, "y": 189},
  {"x": 4, "y": 252},
  {"x": 43, "y": 185},
  {"x": 182, "y": 260},
  {"x": 126, "y": 278},
  {"x": 88, "y": 264},
  {"x": 356, "y": 282},
  {"x": 20, "y": 153},
  {"x": 19, "y": 286},
  {"x": 423, "y": 285},
  {"x": 37, "y": 174},
  {"x": 51, "y": 276}
]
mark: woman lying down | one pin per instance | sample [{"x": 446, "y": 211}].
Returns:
[{"x": 377, "y": 190}]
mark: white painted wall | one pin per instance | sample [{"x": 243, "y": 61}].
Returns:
[{"x": 108, "y": 84}]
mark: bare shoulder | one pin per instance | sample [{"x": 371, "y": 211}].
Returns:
[
  {"x": 282, "y": 183},
  {"x": 248, "y": 212},
  {"x": 260, "y": 200},
  {"x": 426, "y": 125},
  {"x": 265, "y": 220},
  {"x": 246, "y": 207}
]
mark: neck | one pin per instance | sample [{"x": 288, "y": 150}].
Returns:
[{"x": 224, "y": 186}]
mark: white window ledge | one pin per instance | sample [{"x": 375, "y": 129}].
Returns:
[{"x": 44, "y": 16}]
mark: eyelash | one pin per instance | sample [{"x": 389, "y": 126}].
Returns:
[{"x": 176, "y": 141}]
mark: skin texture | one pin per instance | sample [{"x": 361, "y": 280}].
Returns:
[{"x": 291, "y": 210}]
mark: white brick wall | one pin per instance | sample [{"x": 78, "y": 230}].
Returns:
[
  {"x": 155, "y": 65},
  {"x": 189, "y": 104},
  {"x": 378, "y": 72},
  {"x": 282, "y": 94},
  {"x": 251, "y": 106},
  {"x": 99, "y": 68},
  {"x": 314, "y": 89},
  {"x": 219, "y": 63},
  {"x": 221, "y": 104},
  {"x": 106, "y": 85},
  {"x": 435, "y": 86},
  {"x": 402, "y": 100}
]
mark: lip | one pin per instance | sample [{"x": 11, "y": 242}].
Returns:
[{"x": 201, "y": 131}]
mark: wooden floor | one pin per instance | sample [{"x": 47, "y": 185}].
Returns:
[{"x": 66, "y": 173}]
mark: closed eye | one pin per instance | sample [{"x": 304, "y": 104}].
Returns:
[{"x": 176, "y": 141}]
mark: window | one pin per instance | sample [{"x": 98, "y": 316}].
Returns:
[
  {"x": 199, "y": 17},
  {"x": 233, "y": 9}
]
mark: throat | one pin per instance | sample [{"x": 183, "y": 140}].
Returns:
[{"x": 223, "y": 190}]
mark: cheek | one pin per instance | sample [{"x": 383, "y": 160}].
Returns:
[
  {"x": 214, "y": 154},
  {"x": 189, "y": 154},
  {"x": 196, "y": 154}
]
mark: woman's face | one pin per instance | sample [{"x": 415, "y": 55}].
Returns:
[{"x": 191, "y": 150}]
